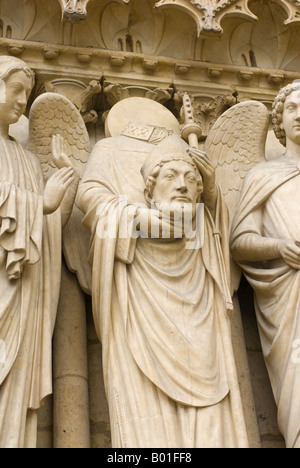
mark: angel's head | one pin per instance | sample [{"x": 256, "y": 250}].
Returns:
[
  {"x": 16, "y": 83},
  {"x": 280, "y": 108},
  {"x": 170, "y": 175}
]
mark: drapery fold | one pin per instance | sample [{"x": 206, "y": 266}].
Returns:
[
  {"x": 160, "y": 311},
  {"x": 21, "y": 214},
  {"x": 276, "y": 285},
  {"x": 30, "y": 265}
]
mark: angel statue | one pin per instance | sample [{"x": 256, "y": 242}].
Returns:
[
  {"x": 161, "y": 307},
  {"x": 31, "y": 215},
  {"x": 265, "y": 233}
]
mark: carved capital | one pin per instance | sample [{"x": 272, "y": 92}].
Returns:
[
  {"x": 115, "y": 92},
  {"x": 79, "y": 93},
  {"x": 206, "y": 110},
  {"x": 83, "y": 100},
  {"x": 207, "y": 113}
]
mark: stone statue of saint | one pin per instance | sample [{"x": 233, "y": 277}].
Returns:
[
  {"x": 30, "y": 258},
  {"x": 265, "y": 243},
  {"x": 161, "y": 310}
]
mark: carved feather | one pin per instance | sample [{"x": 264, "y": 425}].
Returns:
[
  {"x": 235, "y": 144},
  {"x": 53, "y": 114}
]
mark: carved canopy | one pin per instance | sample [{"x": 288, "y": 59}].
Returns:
[
  {"x": 76, "y": 10},
  {"x": 207, "y": 14}
]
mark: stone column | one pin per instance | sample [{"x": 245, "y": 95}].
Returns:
[
  {"x": 244, "y": 377},
  {"x": 45, "y": 424},
  {"x": 71, "y": 426}
]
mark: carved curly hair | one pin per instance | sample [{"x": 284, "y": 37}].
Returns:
[{"x": 278, "y": 107}]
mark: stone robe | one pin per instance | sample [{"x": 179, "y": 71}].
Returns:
[
  {"x": 30, "y": 260},
  {"x": 160, "y": 312},
  {"x": 272, "y": 188}
]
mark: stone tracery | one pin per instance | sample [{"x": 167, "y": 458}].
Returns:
[{"x": 208, "y": 14}]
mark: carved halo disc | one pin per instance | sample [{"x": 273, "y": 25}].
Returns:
[{"x": 139, "y": 111}]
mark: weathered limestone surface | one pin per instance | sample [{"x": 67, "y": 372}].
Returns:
[
  {"x": 265, "y": 244},
  {"x": 96, "y": 53}
]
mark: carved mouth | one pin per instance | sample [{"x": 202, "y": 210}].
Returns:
[
  {"x": 182, "y": 198},
  {"x": 17, "y": 111}
]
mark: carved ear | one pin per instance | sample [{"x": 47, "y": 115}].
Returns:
[
  {"x": 200, "y": 191},
  {"x": 199, "y": 197},
  {"x": 148, "y": 197}
]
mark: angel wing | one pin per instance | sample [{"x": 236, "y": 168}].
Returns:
[
  {"x": 53, "y": 114},
  {"x": 236, "y": 143}
]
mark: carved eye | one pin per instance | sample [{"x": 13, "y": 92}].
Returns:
[
  {"x": 291, "y": 107},
  {"x": 16, "y": 88},
  {"x": 191, "y": 178},
  {"x": 169, "y": 175}
]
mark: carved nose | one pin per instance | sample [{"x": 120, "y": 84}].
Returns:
[
  {"x": 182, "y": 188},
  {"x": 22, "y": 101}
]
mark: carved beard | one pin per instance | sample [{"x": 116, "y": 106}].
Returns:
[{"x": 178, "y": 211}]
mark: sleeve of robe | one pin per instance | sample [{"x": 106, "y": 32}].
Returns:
[
  {"x": 27, "y": 238},
  {"x": 21, "y": 216}
]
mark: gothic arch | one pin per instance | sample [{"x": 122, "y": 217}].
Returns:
[
  {"x": 245, "y": 43},
  {"x": 208, "y": 14}
]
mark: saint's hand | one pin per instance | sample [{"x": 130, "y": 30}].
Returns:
[
  {"x": 56, "y": 189},
  {"x": 290, "y": 252},
  {"x": 207, "y": 171}
]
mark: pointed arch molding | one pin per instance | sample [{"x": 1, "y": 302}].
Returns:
[
  {"x": 208, "y": 14},
  {"x": 76, "y": 10}
]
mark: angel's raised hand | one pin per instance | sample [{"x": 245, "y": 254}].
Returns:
[
  {"x": 59, "y": 156},
  {"x": 56, "y": 189}
]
